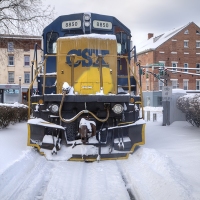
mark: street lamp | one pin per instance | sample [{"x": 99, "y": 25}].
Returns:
[{"x": 20, "y": 90}]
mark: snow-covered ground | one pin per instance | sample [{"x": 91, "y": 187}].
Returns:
[{"x": 166, "y": 167}]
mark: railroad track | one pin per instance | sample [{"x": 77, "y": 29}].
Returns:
[{"x": 33, "y": 177}]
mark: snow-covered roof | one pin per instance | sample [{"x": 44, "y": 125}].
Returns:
[
  {"x": 154, "y": 42},
  {"x": 29, "y": 37}
]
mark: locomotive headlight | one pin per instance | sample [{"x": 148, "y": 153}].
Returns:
[
  {"x": 117, "y": 108},
  {"x": 87, "y": 17},
  {"x": 54, "y": 108},
  {"x": 87, "y": 24}
]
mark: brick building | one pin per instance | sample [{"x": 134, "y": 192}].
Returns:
[
  {"x": 16, "y": 54},
  {"x": 178, "y": 51}
]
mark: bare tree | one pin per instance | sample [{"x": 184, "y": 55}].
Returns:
[{"x": 24, "y": 16}]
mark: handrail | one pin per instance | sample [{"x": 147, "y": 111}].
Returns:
[
  {"x": 29, "y": 90},
  {"x": 141, "y": 95},
  {"x": 100, "y": 72}
]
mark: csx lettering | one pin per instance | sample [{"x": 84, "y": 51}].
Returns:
[{"x": 87, "y": 59}]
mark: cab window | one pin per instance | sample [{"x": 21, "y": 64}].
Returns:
[
  {"x": 51, "y": 42},
  {"x": 121, "y": 43}
]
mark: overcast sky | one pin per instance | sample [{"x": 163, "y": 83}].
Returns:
[{"x": 140, "y": 16}]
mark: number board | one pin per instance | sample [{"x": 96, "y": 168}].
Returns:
[
  {"x": 71, "y": 24},
  {"x": 102, "y": 24}
]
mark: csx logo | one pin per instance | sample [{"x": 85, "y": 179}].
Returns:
[{"x": 87, "y": 59}]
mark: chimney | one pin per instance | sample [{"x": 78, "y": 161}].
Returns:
[{"x": 150, "y": 35}]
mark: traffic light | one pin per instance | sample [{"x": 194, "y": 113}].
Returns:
[
  {"x": 143, "y": 71},
  {"x": 165, "y": 70},
  {"x": 161, "y": 72}
]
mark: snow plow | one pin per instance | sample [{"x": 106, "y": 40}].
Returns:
[{"x": 86, "y": 107}]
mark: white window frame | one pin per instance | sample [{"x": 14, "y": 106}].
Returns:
[
  {"x": 11, "y": 77},
  {"x": 174, "y": 83},
  {"x": 197, "y": 43},
  {"x": 26, "y": 77},
  {"x": 185, "y": 84},
  {"x": 185, "y": 67},
  {"x": 197, "y": 84},
  {"x": 27, "y": 60},
  {"x": 186, "y": 43},
  {"x": 174, "y": 65},
  {"x": 10, "y": 46},
  {"x": 186, "y": 32},
  {"x": 11, "y": 60}
]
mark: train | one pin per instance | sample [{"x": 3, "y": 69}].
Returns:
[{"x": 87, "y": 106}]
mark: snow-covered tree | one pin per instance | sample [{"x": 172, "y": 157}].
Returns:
[{"x": 190, "y": 105}]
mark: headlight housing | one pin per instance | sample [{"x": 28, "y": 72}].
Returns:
[
  {"x": 54, "y": 108},
  {"x": 117, "y": 108},
  {"x": 87, "y": 17},
  {"x": 87, "y": 24}
]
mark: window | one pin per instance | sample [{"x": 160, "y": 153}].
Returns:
[
  {"x": 10, "y": 60},
  {"x": 186, "y": 43},
  {"x": 198, "y": 66},
  {"x": 197, "y": 84},
  {"x": 161, "y": 84},
  {"x": 174, "y": 65},
  {"x": 10, "y": 47},
  {"x": 174, "y": 84},
  {"x": 51, "y": 42},
  {"x": 198, "y": 44},
  {"x": 186, "y": 32},
  {"x": 185, "y": 67},
  {"x": 185, "y": 84},
  {"x": 26, "y": 77},
  {"x": 197, "y": 32},
  {"x": 26, "y": 60},
  {"x": 10, "y": 77},
  {"x": 121, "y": 43}
]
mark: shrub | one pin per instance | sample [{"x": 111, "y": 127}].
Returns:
[
  {"x": 10, "y": 114},
  {"x": 190, "y": 105}
]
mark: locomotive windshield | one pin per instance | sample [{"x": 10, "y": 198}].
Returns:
[{"x": 51, "y": 42}]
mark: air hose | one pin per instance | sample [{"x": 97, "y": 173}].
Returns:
[{"x": 80, "y": 113}]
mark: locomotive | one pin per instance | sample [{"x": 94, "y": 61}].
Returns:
[{"x": 86, "y": 107}]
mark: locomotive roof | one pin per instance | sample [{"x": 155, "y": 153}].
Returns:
[{"x": 56, "y": 24}]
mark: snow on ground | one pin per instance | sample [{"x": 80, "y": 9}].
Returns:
[{"x": 166, "y": 167}]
